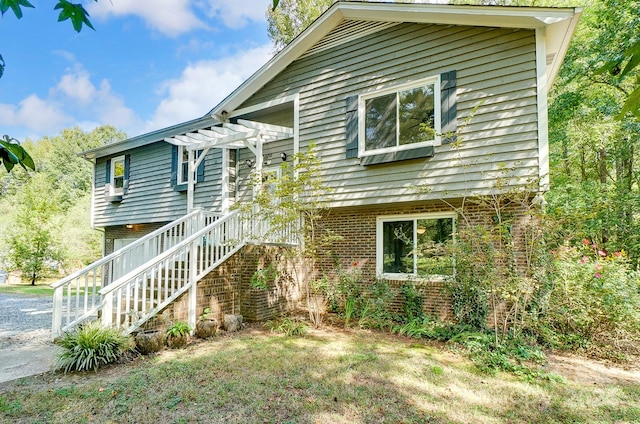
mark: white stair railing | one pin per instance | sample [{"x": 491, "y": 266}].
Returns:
[
  {"x": 76, "y": 298},
  {"x": 139, "y": 295}
]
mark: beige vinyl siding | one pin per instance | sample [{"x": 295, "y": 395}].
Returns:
[
  {"x": 496, "y": 73},
  {"x": 151, "y": 197}
]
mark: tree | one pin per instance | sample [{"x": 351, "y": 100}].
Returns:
[
  {"x": 12, "y": 153},
  {"x": 32, "y": 247},
  {"x": 76, "y": 13},
  {"x": 288, "y": 18}
]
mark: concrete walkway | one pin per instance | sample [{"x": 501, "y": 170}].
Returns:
[{"x": 25, "y": 337}]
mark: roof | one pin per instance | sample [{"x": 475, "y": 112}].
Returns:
[
  {"x": 558, "y": 24},
  {"x": 142, "y": 140}
]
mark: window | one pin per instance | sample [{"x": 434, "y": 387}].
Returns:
[
  {"x": 270, "y": 177},
  {"x": 415, "y": 245},
  {"x": 183, "y": 165},
  {"x": 117, "y": 176},
  {"x": 401, "y": 118},
  {"x": 180, "y": 168}
]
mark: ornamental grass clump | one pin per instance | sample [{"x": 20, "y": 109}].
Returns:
[{"x": 92, "y": 346}]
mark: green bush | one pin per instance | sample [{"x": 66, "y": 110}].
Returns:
[
  {"x": 92, "y": 346},
  {"x": 287, "y": 326},
  {"x": 591, "y": 300},
  {"x": 413, "y": 303}
]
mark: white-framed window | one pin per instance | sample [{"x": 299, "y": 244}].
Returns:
[
  {"x": 183, "y": 165},
  {"x": 415, "y": 246},
  {"x": 116, "y": 183},
  {"x": 270, "y": 177},
  {"x": 399, "y": 118}
]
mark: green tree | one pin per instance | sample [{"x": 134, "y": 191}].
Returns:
[
  {"x": 288, "y": 18},
  {"x": 593, "y": 140},
  {"x": 32, "y": 246}
]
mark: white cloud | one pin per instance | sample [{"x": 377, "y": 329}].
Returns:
[
  {"x": 204, "y": 84},
  {"x": 237, "y": 14},
  {"x": 74, "y": 100},
  {"x": 35, "y": 113},
  {"x": 170, "y": 17}
]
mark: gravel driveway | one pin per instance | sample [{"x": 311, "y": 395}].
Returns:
[{"x": 25, "y": 336}]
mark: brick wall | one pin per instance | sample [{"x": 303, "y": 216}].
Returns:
[
  {"x": 356, "y": 246},
  {"x": 227, "y": 289},
  {"x": 122, "y": 232}
]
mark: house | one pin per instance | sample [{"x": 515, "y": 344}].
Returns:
[{"x": 393, "y": 95}]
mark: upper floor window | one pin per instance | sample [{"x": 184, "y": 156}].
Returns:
[
  {"x": 415, "y": 245},
  {"x": 183, "y": 165},
  {"x": 117, "y": 175},
  {"x": 400, "y": 118}
]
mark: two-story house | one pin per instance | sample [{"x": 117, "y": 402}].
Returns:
[{"x": 393, "y": 95}]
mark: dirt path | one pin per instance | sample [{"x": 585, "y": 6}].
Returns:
[
  {"x": 25, "y": 337},
  {"x": 592, "y": 371}
]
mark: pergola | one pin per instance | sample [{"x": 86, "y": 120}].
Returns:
[{"x": 243, "y": 133}]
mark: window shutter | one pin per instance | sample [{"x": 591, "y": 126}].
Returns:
[
  {"x": 448, "y": 110},
  {"x": 200, "y": 170},
  {"x": 174, "y": 165},
  {"x": 351, "y": 127},
  {"x": 127, "y": 165},
  {"x": 107, "y": 178}
]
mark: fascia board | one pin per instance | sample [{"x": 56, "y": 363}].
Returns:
[
  {"x": 149, "y": 138},
  {"x": 318, "y": 29},
  {"x": 490, "y": 16}
]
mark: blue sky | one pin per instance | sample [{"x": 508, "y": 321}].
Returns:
[{"x": 149, "y": 64}]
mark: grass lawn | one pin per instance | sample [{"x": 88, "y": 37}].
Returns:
[
  {"x": 326, "y": 376},
  {"x": 41, "y": 289}
]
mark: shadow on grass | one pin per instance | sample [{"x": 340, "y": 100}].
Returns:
[{"x": 323, "y": 377}]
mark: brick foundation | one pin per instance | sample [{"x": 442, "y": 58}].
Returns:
[{"x": 227, "y": 289}]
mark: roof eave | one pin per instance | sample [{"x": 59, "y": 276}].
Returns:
[{"x": 149, "y": 138}]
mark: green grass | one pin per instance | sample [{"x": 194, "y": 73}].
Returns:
[
  {"x": 26, "y": 289},
  {"x": 324, "y": 376}
]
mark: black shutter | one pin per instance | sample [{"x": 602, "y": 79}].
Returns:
[
  {"x": 200, "y": 170},
  {"x": 351, "y": 127},
  {"x": 127, "y": 165},
  {"x": 448, "y": 110},
  {"x": 107, "y": 178},
  {"x": 174, "y": 165}
]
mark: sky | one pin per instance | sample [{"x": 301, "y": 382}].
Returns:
[{"x": 148, "y": 65}]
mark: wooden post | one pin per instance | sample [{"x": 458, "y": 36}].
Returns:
[
  {"x": 193, "y": 289},
  {"x": 56, "y": 321}
]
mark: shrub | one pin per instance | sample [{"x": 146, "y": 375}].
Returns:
[
  {"x": 92, "y": 346},
  {"x": 287, "y": 326},
  {"x": 592, "y": 298}
]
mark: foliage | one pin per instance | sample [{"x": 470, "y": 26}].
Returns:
[
  {"x": 262, "y": 277},
  {"x": 287, "y": 326},
  {"x": 375, "y": 312},
  {"x": 301, "y": 196},
  {"x": 179, "y": 329},
  {"x": 55, "y": 199},
  {"x": 592, "y": 299},
  {"x": 291, "y": 17},
  {"x": 593, "y": 132},
  {"x": 75, "y": 12},
  {"x": 206, "y": 314},
  {"x": 92, "y": 346},
  {"x": 412, "y": 307},
  {"x": 12, "y": 153},
  {"x": 32, "y": 247}
]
